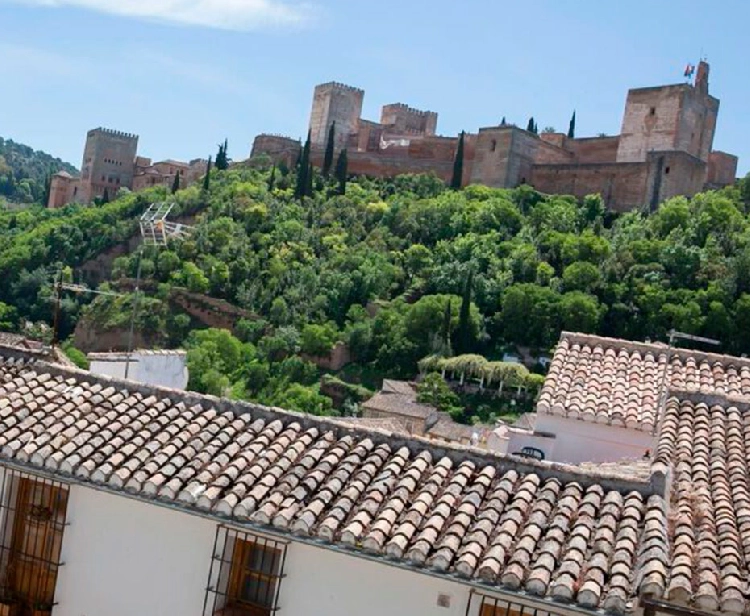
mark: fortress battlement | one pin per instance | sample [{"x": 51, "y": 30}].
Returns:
[
  {"x": 336, "y": 85},
  {"x": 408, "y": 109},
  {"x": 114, "y": 133},
  {"x": 277, "y": 136}
]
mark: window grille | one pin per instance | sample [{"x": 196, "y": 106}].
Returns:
[
  {"x": 32, "y": 520},
  {"x": 245, "y": 575},
  {"x": 493, "y": 606}
]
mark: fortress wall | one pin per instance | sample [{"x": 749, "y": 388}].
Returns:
[
  {"x": 621, "y": 185},
  {"x": 594, "y": 149},
  {"x": 722, "y": 168}
]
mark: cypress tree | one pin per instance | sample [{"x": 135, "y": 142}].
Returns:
[
  {"x": 304, "y": 170},
  {"x": 222, "y": 162},
  {"x": 458, "y": 164},
  {"x": 342, "y": 170},
  {"x": 463, "y": 342},
  {"x": 207, "y": 177},
  {"x": 530, "y": 125},
  {"x": 328, "y": 158},
  {"x": 176, "y": 183},
  {"x": 272, "y": 179},
  {"x": 47, "y": 190},
  {"x": 446, "y": 333},
  {"x": 309, "y": 178},
  {"x": 105, "y": 196},
  {"x": 572, "y": 127}
]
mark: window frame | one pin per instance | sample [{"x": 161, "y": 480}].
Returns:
[{"x": 229, "y": 572}]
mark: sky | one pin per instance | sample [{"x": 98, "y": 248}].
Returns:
[{"x": 186, "y": 74}]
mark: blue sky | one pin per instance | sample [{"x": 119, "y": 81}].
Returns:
[{"x": 184, "y": 74}]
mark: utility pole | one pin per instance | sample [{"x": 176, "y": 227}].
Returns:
[{"x": 663, "y": 389}]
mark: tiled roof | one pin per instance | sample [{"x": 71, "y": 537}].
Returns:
[
  {"x": 545, "y": 529},
  {"x": 399, "y": 387},
  {"x": 707, "y": 443},
  {"x": 121, "y": 356},
  {"x": 617, "y": 382},
  {"x": 399, "y": 404}
]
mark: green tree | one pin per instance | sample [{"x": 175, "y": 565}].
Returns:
[
  {"x": 464, "y": 333},
  {"x": 330, "y": 144},
  {"x": 272, "y": 179},
  {"x": 342, "y": 171},
  {"x": 318, "y": 340},
  {"x": 105, "y": 196},
  {"x": 176, "y": 183},
  {"x": 433, "y": 390},
  {"x": 580, "y": 312},
  {"x": 581, "y": 276},
  {"x": 458, "y": 164},
  {"x": 207, "y": 177},
  {"x": 572, "y": 126},
  {"x": 303, "y": 170},
  {"x": 222, "y": 160}
]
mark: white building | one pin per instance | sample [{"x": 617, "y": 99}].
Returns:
[
  {"x": 163, "y": 368},
  {"x": 600, "y": 400},
  {"x": 122, "y": 499}
]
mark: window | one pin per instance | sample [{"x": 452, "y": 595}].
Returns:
[
  {"x": 492, "y": 606},
  {"x": 666, "y": 171},
  {"x": 493, "y": 145},
  {"x": 32, "y": 521},
  {"x": 245, "y": 576},
  {"x": 652, "y": 111}
]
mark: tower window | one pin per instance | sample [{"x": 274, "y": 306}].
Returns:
[
  {"x": 666, "y": 171},
  {"x": 493, "y": 145},
  {"x": 652, "y": 111}
]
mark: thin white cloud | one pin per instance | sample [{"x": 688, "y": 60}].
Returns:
[{"x": 225, "y": 14}]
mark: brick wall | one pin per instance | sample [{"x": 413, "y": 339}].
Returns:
[
  {"x": 594, "y": 149},
  {"x": 722, "y": 169},
  {"x": 621, "y": 185}
]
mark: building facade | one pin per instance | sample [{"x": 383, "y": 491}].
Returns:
[
  {"x": 110, "y": 162},
  {"x": 664, "y": 149},
  {"x": 125, "y": 499}
]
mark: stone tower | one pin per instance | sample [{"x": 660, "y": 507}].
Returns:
[
  {"x": 404, "y": 119},
  {"x": 108, "y": 163},
  {"x": 679, "y": 118},
  {"x": 335, "y": 102}
]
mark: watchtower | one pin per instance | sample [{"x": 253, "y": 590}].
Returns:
[
  {"x": 680, "y": 117},
  {"x": 108, "y": 163},
  {"x": 335, "y": 102},
  {"x": 407, "y": 120}
]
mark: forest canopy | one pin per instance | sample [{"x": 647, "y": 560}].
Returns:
[{"x": 399, "y": 270}]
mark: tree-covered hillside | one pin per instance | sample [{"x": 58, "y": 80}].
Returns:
[
  {"x": 24, "y": 172},
  {"x": 400, "y": 270}
]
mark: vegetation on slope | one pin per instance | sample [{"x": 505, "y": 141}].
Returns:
[
  {"x": 405, "y": 269},
  {"x": 24, "y": 172}
]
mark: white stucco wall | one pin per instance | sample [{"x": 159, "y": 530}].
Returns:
[
  {"x": 320, "y": 582},
  {"x": 579, "y": 441},
  {"x": 126, "y": 558},
  {"x": 160, "y": 369}
]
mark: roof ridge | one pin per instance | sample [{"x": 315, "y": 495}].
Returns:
[
  {"x": 632, "y": 345},
  {"x": 457, "y": 453}
]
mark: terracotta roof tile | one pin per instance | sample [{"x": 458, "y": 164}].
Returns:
[
  {"x": 553, "y": 531},
  {"x": 617, "y": 382}
]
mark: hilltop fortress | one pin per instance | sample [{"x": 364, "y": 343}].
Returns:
[
  {"x": 110, "y": 162},
  {"x": 664, "y": 149}
]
